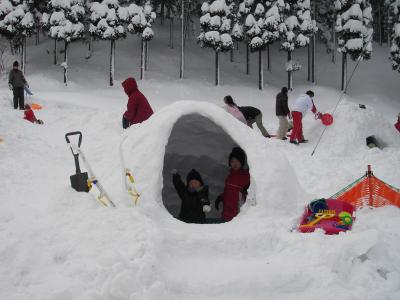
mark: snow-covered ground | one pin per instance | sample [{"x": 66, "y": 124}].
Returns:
[{"x": 59, "y": 244}]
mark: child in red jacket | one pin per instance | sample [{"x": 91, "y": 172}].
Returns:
[
  {"x": 236, "y": 185},
  {"x": 397, "y": 125},
  {"x": 30, "y": 116}
]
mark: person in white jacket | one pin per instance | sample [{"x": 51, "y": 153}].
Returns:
[{"x": 301, "y": 106}]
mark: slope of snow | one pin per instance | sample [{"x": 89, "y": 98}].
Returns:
[{"x": 59, "y": 244}]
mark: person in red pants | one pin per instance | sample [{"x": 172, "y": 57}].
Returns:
[
  {"x": 301, "y": 106},
  {"x": 397, "y": 125}
]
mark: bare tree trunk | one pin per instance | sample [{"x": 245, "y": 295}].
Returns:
[
  {"x": 146, "y": 62},
  {"x": 389, "y": 36},
  {"x": 290, "y": 77},
  {"x": 308, "y": 62},
  {"x": 55, "y": 51},
  {"x": 23, "y": 55},
  {"x": 268, "y": 59},
  {"x": 344, "y": 72},
  {"x": 66, "y": 63},
  {"x": 162, "y": 12},
  {"x": 37, "y": 35},
  {"x": 142, "y": 59},
  {"x": 313, "y": 58},
  {"x": 171, "y": 33},
  {"x": 334, "y": 44},
  {"x": 112, "y": 62},
  {"x": 380, "y": 24},
  {"x": 247, "y": 58},
  {"x": 216, "y": 68},
  {"x": 231, "y": 55},
  {"x": 260, "y": 70},
  {"x": 181, "y": 75}
]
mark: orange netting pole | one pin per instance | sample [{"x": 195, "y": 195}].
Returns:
[{"x": 369, "y": 175}]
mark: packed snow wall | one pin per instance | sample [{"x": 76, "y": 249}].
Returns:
[{"x": 197, "y": 143}]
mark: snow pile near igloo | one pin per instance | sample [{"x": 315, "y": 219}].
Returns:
[
  {"x": 144, "y": 150},
  {"x": 352, "y": 125}
]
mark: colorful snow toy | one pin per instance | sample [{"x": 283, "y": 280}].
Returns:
[{"x": 332, "y": 216}]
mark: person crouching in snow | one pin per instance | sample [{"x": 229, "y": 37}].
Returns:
[
  {"x": 30, "y": 115},
  {"x": 233, "y": 109},
  {"x": 301, "y": 106},
  {"x": 236, "y": 185},
  {"x": 138, "y": 108},
  {"x": 194, "y": 197},
  {"x": 254, "y": 115},
  {"x": 397, "y": 125}
]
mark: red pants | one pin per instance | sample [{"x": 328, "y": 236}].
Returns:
[{"x": 297, "y": 131}]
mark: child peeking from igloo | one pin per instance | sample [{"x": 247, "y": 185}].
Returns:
[
  {"x": 194, "y": 197},
  {"x": 236, "y": 185}
]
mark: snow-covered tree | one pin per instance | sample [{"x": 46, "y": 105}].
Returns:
[
  {"x": 326, "y": 21},
  {"x": 216, "y": 26},
  {"x": 105, "y": 24},
  {"x": 295, "y": 31},
  {"x": 395, "y": 47},
  {"x": 139, "y": 21},
  {"x": 65, "y": 23},
  {"x": 354, "y": 28},
  {"x": 17, "y": 23}
]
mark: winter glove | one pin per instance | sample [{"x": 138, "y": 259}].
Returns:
[
  {"x": 10, "y": 86},
  {"x": 218, "y": 201},
  {"x": 206, "y": 208},
  {"x": 318, "y": 115},
  {"x": 289, "y": 115}
]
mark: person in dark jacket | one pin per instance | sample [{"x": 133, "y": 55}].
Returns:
[
  {"x": 16, "y": 83},
  {"x": 236, "y": 185},
  {"x": 254, "y": 115},
  {"x": 194, "y": 197},
  {"x": 282, "y": 112},
  {"x": 138, "y": 108}
]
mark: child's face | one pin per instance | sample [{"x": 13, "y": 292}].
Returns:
[
  {"x": 194, "y": 184},
  {"x": 235, "y": 164}
]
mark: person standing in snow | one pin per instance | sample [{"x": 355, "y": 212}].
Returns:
[
  {"x": 236, "y": 185},
  {"x": 397, "y": 125},
  {"x": 301, "y": 106},
  {"x": 138, "y": 108},
  {"x": 233, "y": 109},
  {"x": 282, "y": 112},
  {"x": 194, "y": 197},
  {"x": 16, "y": 83}
]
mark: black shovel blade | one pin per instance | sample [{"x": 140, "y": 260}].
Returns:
[{"x": 79, "y": 182}]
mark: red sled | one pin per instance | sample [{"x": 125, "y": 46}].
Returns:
[
  {"x": 326, "y": 119},
  {"x": 338, "y": 217}
]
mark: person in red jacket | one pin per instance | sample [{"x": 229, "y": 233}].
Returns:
[
  {"x": 138, "y": 108},
  {"x": 236, "y": 185},
  {"x": 30, "y": 115},
  {"x": 397, "y": 125}
]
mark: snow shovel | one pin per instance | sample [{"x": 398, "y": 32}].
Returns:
[{"x": 79, "y": 181}]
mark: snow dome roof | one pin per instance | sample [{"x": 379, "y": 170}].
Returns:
[{"x": 145, "y": 145}]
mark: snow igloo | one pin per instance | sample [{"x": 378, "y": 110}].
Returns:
[{"x": 199, "y": 135}]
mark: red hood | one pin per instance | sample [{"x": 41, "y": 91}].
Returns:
[{"x": 130, "y": 86}]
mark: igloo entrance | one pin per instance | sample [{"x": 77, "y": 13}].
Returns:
[{"x": 196, "y": 142}]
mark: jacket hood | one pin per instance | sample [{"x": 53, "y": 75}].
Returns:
[{"x": 130, "y": 86}]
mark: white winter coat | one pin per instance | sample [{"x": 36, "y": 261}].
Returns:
[{"x": 303, "y": 104}]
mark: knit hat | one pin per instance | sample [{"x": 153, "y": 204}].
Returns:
[
  {"x": 193, "y": 174},
  {"x": 284, "y": 90},
  {"x": 239, "y": 154},
  {"x": 15, "y": 64}
]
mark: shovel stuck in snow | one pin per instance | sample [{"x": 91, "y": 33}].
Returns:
[{"x": 79, "y": 181}]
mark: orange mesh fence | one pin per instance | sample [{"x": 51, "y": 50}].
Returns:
[{"x": 370, "y": 191}]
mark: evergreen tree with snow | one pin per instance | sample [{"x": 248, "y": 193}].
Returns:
[
  {"x": 354, "y": 28},
  {"x": 65, "y": 23},
  {"x": 326, "y": 21},
  {"x": 395, "y": 35},
  {"x": 17, "y": 23},
  {"x": 216, "y": 26},
  {"x": 295, "y": 31},
  {"x": 105, "y": 24},
  {"x": 139, "y": 21}
]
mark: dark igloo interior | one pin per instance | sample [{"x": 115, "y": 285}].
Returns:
[{"x": 198, "y": 143}]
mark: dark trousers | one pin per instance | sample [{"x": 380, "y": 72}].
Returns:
[
  {"x": 18, "y": 97},
  {"x": 125, "y": 123}
]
